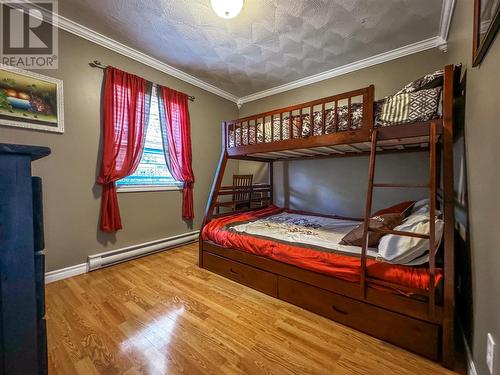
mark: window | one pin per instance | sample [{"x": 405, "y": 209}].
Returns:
[{"x": 152, "y": 172}]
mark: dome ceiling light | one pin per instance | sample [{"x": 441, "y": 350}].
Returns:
[{"x": 227, "y": 8}]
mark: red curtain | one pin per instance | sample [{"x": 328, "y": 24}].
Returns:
[
  {"x": 125, "y": 107},
  {"x": 176, "y": 130}
]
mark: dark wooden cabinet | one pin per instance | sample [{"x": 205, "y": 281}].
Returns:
[{"x": 23, "y": 339}]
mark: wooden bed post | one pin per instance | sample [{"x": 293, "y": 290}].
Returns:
[
  {"x": 271, "y": 182},
  {"x": 214, "y": 192},
  {"x": 449, "y": 222},
  {"x": 368, "y": 211},
  {"x": 432, "y": 219},
  {"x": 369, "y": 115}
]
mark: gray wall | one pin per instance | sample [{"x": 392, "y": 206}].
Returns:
[
  {"x": 339, "y": 185},
  {"x": 71, "y": 198},
  {"x": 482, "y": 136}
]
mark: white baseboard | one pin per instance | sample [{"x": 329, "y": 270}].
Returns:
[
  {"x": 108, "y": 258},
  {"x": 64, "y": 273}
]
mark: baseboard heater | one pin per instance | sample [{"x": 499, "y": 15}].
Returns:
[{"x": 108, "y": 258}]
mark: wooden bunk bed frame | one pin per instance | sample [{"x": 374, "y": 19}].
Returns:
[{"x": 424, "y": 325}]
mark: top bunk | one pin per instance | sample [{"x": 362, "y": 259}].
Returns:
[{"x": 342, "y": 124}]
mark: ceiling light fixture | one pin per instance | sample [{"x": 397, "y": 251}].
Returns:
[{"x": 227, "y": 8}]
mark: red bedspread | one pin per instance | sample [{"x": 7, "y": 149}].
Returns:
[{"x": 345, "y": 267}]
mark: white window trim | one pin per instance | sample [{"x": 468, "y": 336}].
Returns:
[{"x": 144, "y": 188}]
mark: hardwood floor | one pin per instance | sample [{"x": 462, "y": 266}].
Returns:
[{"x": 162, "y": 314}]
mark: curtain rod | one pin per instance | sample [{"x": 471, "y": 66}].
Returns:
[{"x": 100, "y": 65}]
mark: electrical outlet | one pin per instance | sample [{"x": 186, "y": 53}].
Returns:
[{"x": 490, "y": 353}]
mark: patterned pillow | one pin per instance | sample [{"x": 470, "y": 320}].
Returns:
[
  {"x": 342, "y": 116},
  {"x": 404, "y": 108},
  {"x": 429, "y": 81}
]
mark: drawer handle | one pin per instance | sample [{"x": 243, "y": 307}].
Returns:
[
  {"x": 339, "y": 311},
  {"x": 233, "y": 271}
]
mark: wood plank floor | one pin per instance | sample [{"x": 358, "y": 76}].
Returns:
[{"x": 161, "y": 314}]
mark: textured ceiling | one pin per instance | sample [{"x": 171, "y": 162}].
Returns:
[{"x": 271, "y": 42}]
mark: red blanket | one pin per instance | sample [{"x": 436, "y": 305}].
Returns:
[{"x": 343, "y": 266}]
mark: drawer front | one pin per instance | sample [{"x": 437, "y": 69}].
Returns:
[
  {"x": 409, "y": 333},
  {"x": 255, "y": 278}
]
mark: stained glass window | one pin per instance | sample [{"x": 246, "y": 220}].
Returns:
[{"x": 152, "y": 170}]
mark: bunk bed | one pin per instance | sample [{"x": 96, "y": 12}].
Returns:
[{"x": 411, "y": 306}]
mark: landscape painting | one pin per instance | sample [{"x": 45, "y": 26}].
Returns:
[{"x": 30, "y": 100}]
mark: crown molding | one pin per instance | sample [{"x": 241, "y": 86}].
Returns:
[
  {"x": 348, "y": 68},
  {"x": 439, "y": 41},
  {"x": 84, "y": 32},
  {"x": 445, "y": 20}
]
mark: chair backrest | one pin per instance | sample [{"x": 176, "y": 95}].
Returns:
[{"x": 242, "y": 180}]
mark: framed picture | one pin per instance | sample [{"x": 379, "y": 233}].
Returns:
[
  {"x": 30, "y": 100},
  {"x": 486, "y": 25}
]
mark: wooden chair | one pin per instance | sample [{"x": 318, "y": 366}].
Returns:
[
  {"x": 242, "y": 180},
  {"x": 241, "y": 199}
]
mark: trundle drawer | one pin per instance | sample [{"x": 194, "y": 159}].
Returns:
[
  {"x": 409, "y": 333},
  {"x": 255, "y": 278}
]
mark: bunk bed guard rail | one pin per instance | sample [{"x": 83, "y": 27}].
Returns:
[{"x": 350, "y": 113}]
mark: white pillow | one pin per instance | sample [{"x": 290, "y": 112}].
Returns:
[
  {"x": 410, "y": 250},
  {"x": 420, "y": 204},
  {"x": 419, "y": 261},
  {"x": 423, "y": 207}
]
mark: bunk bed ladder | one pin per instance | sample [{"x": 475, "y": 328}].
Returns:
[{"x": 431, "y": 186}]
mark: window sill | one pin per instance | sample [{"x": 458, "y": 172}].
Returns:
[{"x": 139, "y": 189}]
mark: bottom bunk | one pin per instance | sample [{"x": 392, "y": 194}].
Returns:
[{"x": 297, "y": 257}]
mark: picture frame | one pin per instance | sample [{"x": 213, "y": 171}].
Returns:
[
  {"x": 486, "y": 25},
  {"x": 30, "y": 100}
]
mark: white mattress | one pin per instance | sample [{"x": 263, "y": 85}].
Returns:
[{"x": 319, "y": 232}]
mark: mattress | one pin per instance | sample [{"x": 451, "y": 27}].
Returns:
[{"x": 309, "y": 241}]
